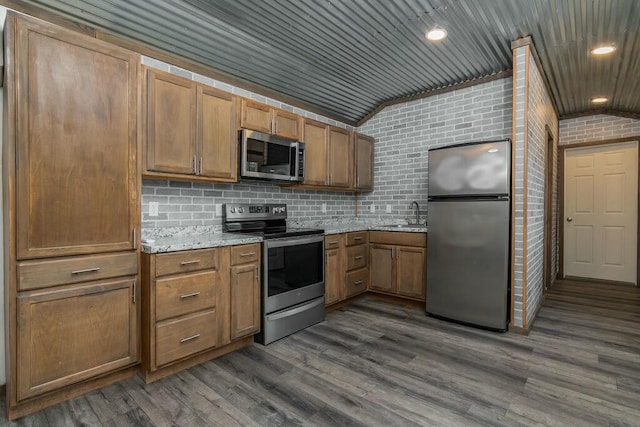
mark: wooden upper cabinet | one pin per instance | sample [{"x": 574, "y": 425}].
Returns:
[
  {"x": 191, "y": 129},
  {"x": 171, "y": 123},
  {"x": 287, "y": 124},
  {"x": 264, "y": 118},
  {"x": 216, "y": 134},
  {"x": 340, "y": 160},
  {"x": 75, "y": 146},
  {"x": 316, "y": 139},
  {"x": 363, "y": 153},
  {"x": 256, "y": 116}
]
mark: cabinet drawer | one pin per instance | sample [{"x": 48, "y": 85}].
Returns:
[
  {"x": 357, "y": 238},
  {"x": 186, "y": 261},
  {"x": 356, "y": 257},
  {"x": 334, "y": 241},
  {"x": 244, "y": 254},
  {"x": 399, "y": 238},
  {"x": 185, "y": 336},
  {"x": 42, "y": 274},
  {"x": 184, "y": 294},
  {"x": 357, "y": 282}
]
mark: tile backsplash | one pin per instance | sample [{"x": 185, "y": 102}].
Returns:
[{"x": 183, "y": 204}]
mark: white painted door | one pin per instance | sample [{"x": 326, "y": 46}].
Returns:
[{"x": 601, "y": 208}]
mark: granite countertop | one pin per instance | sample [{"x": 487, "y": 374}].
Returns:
[
  {"x": 186, "y": 238},
  {"x": 348, "y": 228},
  {"x": 195, "y": 241}
]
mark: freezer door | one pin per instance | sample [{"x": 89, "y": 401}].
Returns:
[
  {"x": 468, "y": 261},
  {"x": 470, "y": 170}
]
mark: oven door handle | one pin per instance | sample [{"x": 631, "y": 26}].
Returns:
[
  {"x": 300, "y": 309},
  {"x": 293, "y": 241}
]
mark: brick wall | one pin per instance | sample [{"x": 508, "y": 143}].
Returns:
[
  {"x": 194, "y": 204},
  {"x": 518, "y": 199},
  {"x": 541, "y": 116},
  {"x": 597, "y": 128},
  {"x": 404, "y": 133}
]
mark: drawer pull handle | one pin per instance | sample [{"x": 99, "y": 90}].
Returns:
[
  {"x": 333, "y": 243},
  {"x": 358, "y": 238},
  {"x": 358, "y": 257},
  {"x": 194, "y": 261},
  {"x": 86, "y": 270},
  {"x": 358, "y": 282},
  {"x": 247, "y": 254},
  {"x": 192, "y": 294},
  {"x": 192, "y": 337}
]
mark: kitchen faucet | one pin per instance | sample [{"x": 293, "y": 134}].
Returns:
[{"x": 417, "y": 211}]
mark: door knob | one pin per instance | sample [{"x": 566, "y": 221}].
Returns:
[{"x": 569, "y": 219}]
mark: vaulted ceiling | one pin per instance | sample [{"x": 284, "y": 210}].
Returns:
[{"x": 346, "y": 57}]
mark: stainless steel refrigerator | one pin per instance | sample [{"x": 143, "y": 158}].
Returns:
[{"x": 469, "y": 221}]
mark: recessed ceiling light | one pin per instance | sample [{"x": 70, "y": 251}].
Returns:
[
  {"x": 603, "y": 50},
  {"x": 599, "y": 100},
  {"x": 436, "y": 34}
]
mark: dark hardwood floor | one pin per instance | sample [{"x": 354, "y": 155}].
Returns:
[{"x": 376, "y": 364}]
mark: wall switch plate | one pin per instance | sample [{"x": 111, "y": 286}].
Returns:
[
  {"x": 388, "y": 208},
  {"x": 324, "y": 208},
  {"x": 372, "y": 208},
  {"x": 153, "y": 208},
  {"x": 218, "y": 210}
]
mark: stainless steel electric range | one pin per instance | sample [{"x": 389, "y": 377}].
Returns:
[{"x": 292, "y": 268}]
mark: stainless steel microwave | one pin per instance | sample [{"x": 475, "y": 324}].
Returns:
[{"x": 270, "y": 157}]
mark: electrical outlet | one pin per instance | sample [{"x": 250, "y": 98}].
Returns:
[
  {"x": 372, "y": 208},
  {"x": 324, "y": 208},
  {"x": 388, "y": 208},
  {"x": 153, "y": 208},
  {"x": 218, "y": 210}
]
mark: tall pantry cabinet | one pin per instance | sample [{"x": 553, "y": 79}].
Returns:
[{"x": 71, "y": 182}]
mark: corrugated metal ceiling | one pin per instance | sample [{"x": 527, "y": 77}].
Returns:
[{"x": 348, "y": 56}]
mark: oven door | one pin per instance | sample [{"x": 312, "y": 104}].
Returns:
[{"x": 293, "y": 271}]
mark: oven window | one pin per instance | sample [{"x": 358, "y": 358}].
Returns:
[
  {"x": 294, "y": 267},
  {"x": 266, "y": 157}
]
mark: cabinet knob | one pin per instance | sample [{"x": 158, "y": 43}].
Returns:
[{"x": 569, "y": 219}]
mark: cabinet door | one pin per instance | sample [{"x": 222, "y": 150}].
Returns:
[
  {"x": 316, "y": 140},
  {"x": 411, "y": 271},
  {"x": 245, "y": 300},
  {"x": 255, "y": 116},
  {"x": 340, "y": 166},
  {"x": 76, "y": 140},
  {"x": 286, "y": 124},
  {"x": 363, "y": 162},
  {"x": 171, "y": 123},
  {"x": 333, "y": 276},
  {"x": 382, "y": 268},
  {"x": 66, "y": 335},
  {"x": 217, "y": 137}
]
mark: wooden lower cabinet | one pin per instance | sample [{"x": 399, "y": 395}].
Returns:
[
  {"x": 397, "y": 268},
  {"x": 73, "y": 333},
  {"x": 197, "y": 305},
  {"x": 411, "y": 272},
  {"x": 245, "y": 300},
  {"x": 334, "y": 271},
  {"x": 382, "y": 267}
]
